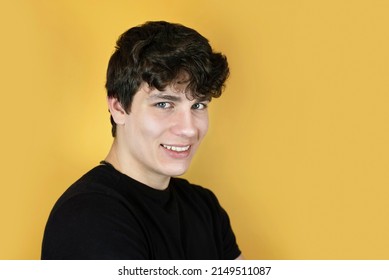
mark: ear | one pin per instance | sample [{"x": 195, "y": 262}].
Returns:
[{"x": 116, "y": 109}]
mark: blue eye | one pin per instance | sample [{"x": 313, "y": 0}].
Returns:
[
  {"x": 199, "y": 106},
  {"x": 163, "y": 105}
]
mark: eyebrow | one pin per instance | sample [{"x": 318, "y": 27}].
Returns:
[
  {"x": 164, "y": 96},
  {"x": 175, "y": 98}
]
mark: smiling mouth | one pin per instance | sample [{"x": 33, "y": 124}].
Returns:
[{"x": 176, "y": 148}]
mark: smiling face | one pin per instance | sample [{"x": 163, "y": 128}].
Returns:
[{"x": 159, "y": 136}]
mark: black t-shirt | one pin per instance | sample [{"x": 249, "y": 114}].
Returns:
[{"x": 108, "y": 215}]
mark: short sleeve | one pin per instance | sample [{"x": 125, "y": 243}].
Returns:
[
  {"x": 230, "y": 248},
  {"x": 93, "y": 226}
]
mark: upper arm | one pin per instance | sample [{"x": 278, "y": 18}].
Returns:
[
  {"x": 230, "y": 247},
  {"x": 93, "y": 226}
]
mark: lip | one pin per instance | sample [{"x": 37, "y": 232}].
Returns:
[
  {"x": 177, "y": 148},
  {"x": 177, "y": 151}
]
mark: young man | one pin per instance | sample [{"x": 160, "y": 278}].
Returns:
[{"x": 160, "y": 81}]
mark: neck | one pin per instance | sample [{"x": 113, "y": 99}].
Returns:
[{"x": 117, "y": 158}]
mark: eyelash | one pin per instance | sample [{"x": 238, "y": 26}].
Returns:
[
  {"x": 204, "y": 106},
  {"x": 167, "y": 105},
  {"x": 162, "y": 105}
]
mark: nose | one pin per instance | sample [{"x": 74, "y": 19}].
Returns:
[{"x": 185, "y": 124}]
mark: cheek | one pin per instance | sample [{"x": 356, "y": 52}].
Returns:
[
  {"x": 203, "y": 127},
  {"x": 152, "y": 126}
]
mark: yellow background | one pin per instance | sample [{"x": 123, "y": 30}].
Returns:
[{"x": 298, "y": 147}]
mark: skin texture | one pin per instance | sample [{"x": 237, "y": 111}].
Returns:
[
  {"x": 157, "y": 119},
  {"x": 159, "y": 136}
]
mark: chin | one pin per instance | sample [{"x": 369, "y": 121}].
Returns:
[{"x": 176, "y": 171}]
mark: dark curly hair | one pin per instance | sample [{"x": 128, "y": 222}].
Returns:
[{"x": 158, "y": 53}]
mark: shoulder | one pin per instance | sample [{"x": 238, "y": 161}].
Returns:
[
  {"x": 96, "y": 195},
  {"x": 93, "y": 220},
  {"x": 99, "y": 179},
  {"x": 95, "y": 191},
  {"x": 98, "y": 182}
]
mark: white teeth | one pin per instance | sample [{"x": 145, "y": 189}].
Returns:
[{"x": 176, "y": 149}]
